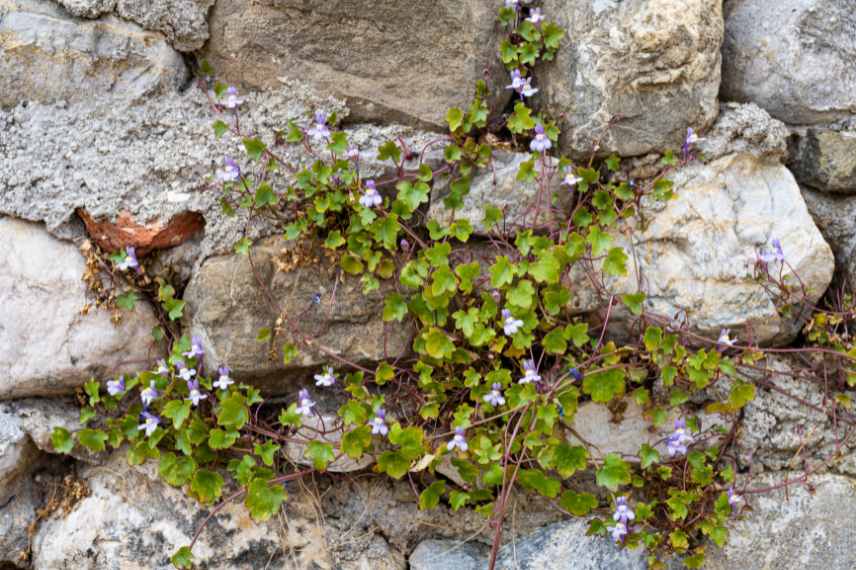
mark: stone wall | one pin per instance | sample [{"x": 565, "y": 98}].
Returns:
[{"x": 105, "y": 139}]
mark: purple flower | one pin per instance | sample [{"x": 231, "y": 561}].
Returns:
[
  {"x": 510, "y": 325},
  {"x": 326, "y": 379},
  {"x": 576, "y": 374},
  {"x": 623, "y": 513},
  {"x": 196, "y": 350},
  {"x": 776, "y": 253},
  {"x": 304, "y": 403},
  {"x": 734, "y": 499},
  {"x": 196, "y": 395},
  {"x": 689, "y": 141},
  {"x": 130, "y": 260},
  {"x": 618, "y": 532},
  {"x": 779, "y": 252},
  {"x": 223, "y": 381},
  {"x": 540, "y": 143},
  {"x": 230, "y": 171},
  {"x": 371, "y": 198},
  {"x": 512, "y": 4},
  {"x": 459, "y": 441},
  {"x": 535, "y": 16},
  {"x": 677, "y": 442},
  {"x": 522, "y": 85},
  {"x": 163, "y": 369},
  {"x": 378, "y": 423},
  {"x": 150, "y": 423},
  {"x": 232, "y": 101},
  {"x": 149, "y": 394},
  {"x": 187, "y": 374},
  {"x": 530, "y": 373},
  {"x": 570, "y": 178},
  {"x": 494, "y": 397},
  {"x": 319, "y": 129},
  {"x": 115, "y": 387},
  {"x": 724, "y": 340}
]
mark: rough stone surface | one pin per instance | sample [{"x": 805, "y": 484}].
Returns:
[
  {"x": 696, "y": 254},
  {"x": 744, "y": 128},
  {"x": 45, "y": 55},
  {"x": 632, "y": 76},
  {"x": 834, "y": 215},
  {"x": 442, "y": 554},
  {"x": 16, "y": 451},
  {"x": 46, "y": 345},
  {"x": 331, "y": 429},
  {"x": 183, "y": 22},
  {"x": 227, "y": 308},
  {"x": 154, "y": 160},
  {"x": 793, "y": 58},
  {"x": 37, "y": 417},
  {"x": 497, "y": 185},
  {"x": 395, "y": 60},
  {"x": 132, "y": 520},
  {"x": 825, "y": 158},
  {"x": 793, "y": 530},
  {"x": 88, "y": 8},
  {"x": 15, "y": 518}
]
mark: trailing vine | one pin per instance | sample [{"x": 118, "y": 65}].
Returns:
[{"x": 500, "y": 360}]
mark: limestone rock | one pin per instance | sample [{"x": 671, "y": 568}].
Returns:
[
  {"x": 632, "y": 76},
  {"x": 227, "y": 307},
  {"x": 46, "y": 345},
  {"x": 45, "y": 55},
  {"x": 16, "y": 451},
  {"x": 834, "y": 215},
  {"x": 744, "y": 128},
  {"x": 131, "y": 519},
  {"x": 20, "y": 501},
  {"x": 401, "y": 61},
  {"x": 795, "y": 529},
  {"x": 825, "y": 158},
  {"x": 442, "y": 554},
  {"x": 327, "y": 428},
  {"x": 497, "y": 185},
  {"x": 88, "y": 8},
  {"x": 183, "y": 22},
  {"x": 37, "y": 417},
  {"x": 793, "y": 58}
]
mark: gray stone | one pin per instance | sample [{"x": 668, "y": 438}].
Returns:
[
  {"x": 794, "y": 58},
  {"x": 132, "y": 520},
  {"x": 796, "y": 529},
  {"x": 328, "y": 428},
  {"x": 825, "y": 158},
  {"x": 47, "y": 344},
  {"x": 88, "y": 8},
  {"x": 632, "y": 76},
  {"x": 376, "y": 556},
  {"x": 37, "y": 417},
  {"x": 17, "y": 452},
  {"x": 400, "y": 61},
  {"x": 46, "y": 55},
  {"x": 448, "y": 554},
  {"x": 183, "y": 22},
  {"x": 20, "y": 501},
  {"x": 154, "y": 160},
  {"x": 524, "y": 204},
  {"x": 227, "y": 306},
  {"x": 744, "y": 128},
  {"x": 834, "y": 215}
]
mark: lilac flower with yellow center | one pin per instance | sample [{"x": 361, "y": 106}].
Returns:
[
  {"x": 623, "y": 513},
  {"x": 196, "y": 350},
  {"x": 150, "y": 423},
  {"x": 304, "y": 403},
  {"x": 458, "y": 441},
  {"x": 196, "y": 394},
  {"x": 541, "y": 143},
  {"x": 618, "y": 532},
  {"x": 371, "y": 198},
  {"x": 510, "y": 325},
  {"x": 522, "y": 85},
  {"x": 223, "y": 381},
  {"x": 677, "y": 442},
  {"x": 116, "y": 387},
  {"x": 149, "y": 394},
  {"x": 570, "y": 178},
  {"x": 378, "y": 423},
  {"x": 187, "y": 374},
  {"x": 774, "y": 253},
  {"x": 232, "y": 101},
  {"x": 530, "y": 373},
  {"x": 495, "y": 397},
  {"x": 724, "y": 341},
  {"x": 326, "y": 379},
  {"x": 130, "y": 260},
  {"x": 230, "y": 171},
  {"x": 319, "y": 129},
  {"x": 535, "y": 16},
  {"x": 734, "y": 499},
  {"x": 163, "y": 369}
]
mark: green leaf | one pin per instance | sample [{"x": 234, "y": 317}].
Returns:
[
  {"x": 501, "y": 272},
  {"x": 605, "y": 385},
  {"x": 522, "y": 295},
  {"x": 394, "y": 464},
  {"x": 578, "y": 334},
  {"x": 176, "y": 470},
  {"x": 536, "y": 480},
  {"x": 321, "y": 454},
  {"x": 458, "y": 499},
  {"x": 220, "y": 128},
  {"x": 438, "y": 344},
  {"x": 183, "y": 558},
  {"x": 338, "y": 143},
  {"x": 394, "y": 308},
  {"x": 177, "y": 411},
  {"x": 613, "y": 162},
  {"x": 599, "y": 240},
  {"x": 255, "y": 148},
  {"x": 455, "y": 117},
  {"x": 220, "y": 439},
  {"x": 521, "y": 120},
  {"x": 92, "y": 439},
  {"x": 615, "y": 263},
  {"x": 295, "y": 135},
  {"x": 127, "y": 300},
  {"x": 492, "y": 216},
  {"x": 648, "y": 456},
  {"x": 61, "y": 440},
  {"x": 265, "y": 196},
  {"x": 242, "y": 246},
  {"x": 614, "y": 472},
  {"x": 430, "y": 497},
  {"x": 554, "y": 342},
  {"x": 634, "y": 302},
  {"x": 264, "y": 499},
  {"x": 266, "y": 451},
  {"x": 568, "y": 459},
  {"x": 206, "y": 485},
  {"x": 357, "y": 441},
  {"x": 233, "y": 412},
  {"x": 578, "y": 504},
  {"x": 389, "y": 151}
]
